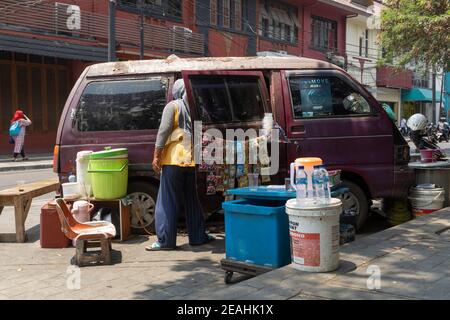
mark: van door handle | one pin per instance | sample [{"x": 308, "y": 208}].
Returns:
[{"x": 299, "y": 129}]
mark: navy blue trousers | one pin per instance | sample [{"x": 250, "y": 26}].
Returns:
[{"x": 177, "y": 189}]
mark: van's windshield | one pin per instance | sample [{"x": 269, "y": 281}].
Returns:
[{"x": 121, "y": 105}]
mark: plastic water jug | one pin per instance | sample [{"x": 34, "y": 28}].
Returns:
[
  {"x": 299, "y": 181},
  {"x": 82, "y": 211},
  {"x": 307, "y": 165},
  {"x": 321, "y": 185}
]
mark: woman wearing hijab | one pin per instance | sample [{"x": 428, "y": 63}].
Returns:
[
  {"x": 173, "y": 158},
  {"x": 19, "y": 140}
]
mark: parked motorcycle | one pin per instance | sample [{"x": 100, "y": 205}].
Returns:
[{"x": 424, "y": 136}]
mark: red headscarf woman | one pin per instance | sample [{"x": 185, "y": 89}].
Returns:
[
  {"x": 19, "y": 140},
  {"x": 17, "y": 116}
]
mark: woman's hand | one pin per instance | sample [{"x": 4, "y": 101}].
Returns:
[{"x": 156, "y": 164}]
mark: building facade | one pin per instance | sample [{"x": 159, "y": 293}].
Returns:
[{"x": 45, "y": 45}]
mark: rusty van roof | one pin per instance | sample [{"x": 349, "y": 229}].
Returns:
[{"x": 175, "y": 64}]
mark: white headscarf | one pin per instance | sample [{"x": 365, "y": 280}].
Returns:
[{"x": 179, "y": 94}]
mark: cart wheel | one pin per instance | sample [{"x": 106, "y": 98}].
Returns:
[{"x": 228, "y": 276}]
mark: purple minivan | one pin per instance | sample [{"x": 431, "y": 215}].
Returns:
[{"x": 324, "y": 112}]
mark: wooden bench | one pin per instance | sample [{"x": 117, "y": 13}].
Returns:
[{"x": 20, "y": 198}]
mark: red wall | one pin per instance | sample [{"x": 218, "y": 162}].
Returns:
[
  {"x": 226, "y": 44},
  {"x": 328, "y": 12},
  {"x": 393, "y": 78},
  {"x": 265, "y": 45},
  {"x": 35, "y": 143}
]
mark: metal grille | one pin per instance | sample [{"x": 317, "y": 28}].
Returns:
[{"x": 65, "y": 20}]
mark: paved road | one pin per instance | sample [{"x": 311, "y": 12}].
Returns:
[{"x": 11, "y": 179}]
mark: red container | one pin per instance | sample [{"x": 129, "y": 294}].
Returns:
[
  {"x": 427, "y": 155},
  {"x": 51, "y": 234}
]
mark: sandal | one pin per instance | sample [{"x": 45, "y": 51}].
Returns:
[
  {"x": 156, "y": 246},
  {"x": 210, "y": 238}
]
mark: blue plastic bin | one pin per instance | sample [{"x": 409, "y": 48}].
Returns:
[{"x": 257, "y": 232}]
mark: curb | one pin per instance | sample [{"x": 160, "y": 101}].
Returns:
[
  {"x": 34, "y": 159},
  {"x": 27, "y": 167}
]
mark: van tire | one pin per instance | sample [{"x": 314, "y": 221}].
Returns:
[
  {"x": 146, "y": 192},
  {"x": 356, "y": 196}
]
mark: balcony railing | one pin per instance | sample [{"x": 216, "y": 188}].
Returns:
[
  {"x": 67, "y": 20},
  {"x": 421, "y": 81},
  {"x": 393, "y": 78}
]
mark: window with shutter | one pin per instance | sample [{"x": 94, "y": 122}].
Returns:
[
  {"x": 238, "y": 14},
  {"x": 226, "y": 13},
  {"x": 213, "y": 12}
]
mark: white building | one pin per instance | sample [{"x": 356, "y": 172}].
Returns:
[{"x": 363, "y": 54}]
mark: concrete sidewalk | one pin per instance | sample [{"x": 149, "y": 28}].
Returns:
[
  {"x": 34, "y": 163},
  {"x": 29, "y": 272},
  {"x": 413, "y": 260}
]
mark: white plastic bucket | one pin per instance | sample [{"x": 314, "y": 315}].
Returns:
[
  {"x": 426, "y": 199},
  {"x": 83, "y": 177},
  {"x": 70, "y": 190},
  {"x": 314, "y": 231}
]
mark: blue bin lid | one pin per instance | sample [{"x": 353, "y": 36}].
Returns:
[{"x": 265, "y": 193}]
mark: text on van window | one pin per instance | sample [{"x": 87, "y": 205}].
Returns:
[{"x": 325, "y": 96}]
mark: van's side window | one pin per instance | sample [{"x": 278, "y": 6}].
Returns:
[
  {"x": 222, "y": 99},
  {"x": 325, "y": 96},
  {"x": 121, "y": 105}
]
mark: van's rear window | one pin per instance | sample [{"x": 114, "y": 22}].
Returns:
[
  {"x": 121, "y": 105},
  {"x": 225, "y": 99}
]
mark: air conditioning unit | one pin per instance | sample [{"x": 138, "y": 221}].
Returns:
[
  {"x": 181, "y": 29},
  {"x": 336, "y": 59}
]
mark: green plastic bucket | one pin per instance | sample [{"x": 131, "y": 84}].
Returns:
[{"x": 109, "y": 173}]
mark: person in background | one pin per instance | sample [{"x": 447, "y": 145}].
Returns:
[
  {"x": 444, "y": 128},
  {"x": 173, "y": 158},
  {"x": 19, "y": 140},
  {"x": 403, "y": 127}
]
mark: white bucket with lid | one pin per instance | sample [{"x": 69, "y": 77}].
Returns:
[
  {"x": 426, "y": 199},
  {"x": 314, "y": 231}
]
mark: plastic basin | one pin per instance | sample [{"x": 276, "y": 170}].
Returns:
[{"x": 109, "y": 178}]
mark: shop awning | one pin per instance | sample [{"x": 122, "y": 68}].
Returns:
[
  {"x": 294, "y": 19},
  {"x": 419, "y": 94},
  {"x": 53, "y": 48},
  {"x": 275, "y": 14},
  {"x": 264, "y": 13}
]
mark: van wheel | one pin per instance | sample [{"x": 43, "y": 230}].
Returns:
[
  {"x": 355, "y": 200},
  {"x": 142, "y": 213}
]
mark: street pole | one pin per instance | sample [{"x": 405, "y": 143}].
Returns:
[
  {"x": 142, "y": 30},
  {"x": 112, "y": 31},
  {"x": 441, "y": 100},
  {"x": 433, "y": 88}
]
